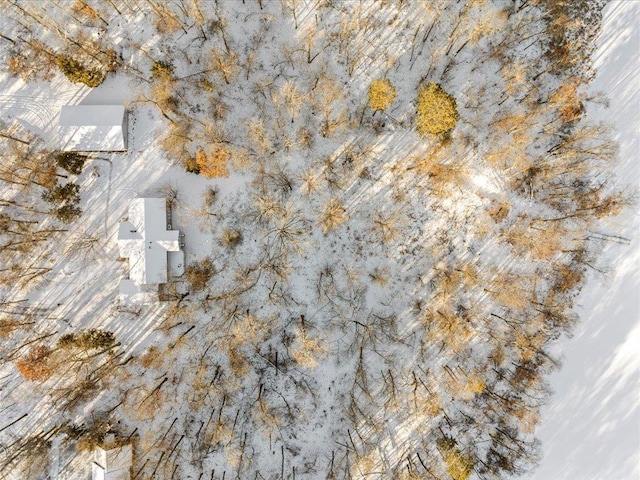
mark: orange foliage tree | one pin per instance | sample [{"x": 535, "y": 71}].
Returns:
[
  {"x": 34, "y": 366},
  {"x": 213, "y": 165}
]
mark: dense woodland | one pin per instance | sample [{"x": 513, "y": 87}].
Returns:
[{"x": 420, "y": 198}]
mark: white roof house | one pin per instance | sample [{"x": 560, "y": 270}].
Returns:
[
  {"x": 112, "y": 463},
  {"x": 147, "y": 240},
  {"x": 93, "y": 128}
]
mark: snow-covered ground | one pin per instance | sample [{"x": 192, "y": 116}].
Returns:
[
  {"x": 348, "y": 291},
  {"x": 591, "y": 426}
]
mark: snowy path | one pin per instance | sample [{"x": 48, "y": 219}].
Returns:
[
  {"x": 591, "y": 427},
  {"x": 106, "y": 208}
]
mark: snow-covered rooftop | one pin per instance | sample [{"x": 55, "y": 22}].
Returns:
[
  {"x": 93, "y": 128},
  {"x": 112, "y": 463},
  {"x": 145, "y": 240}
]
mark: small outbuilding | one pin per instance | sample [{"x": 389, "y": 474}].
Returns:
[
  {"x": 93, "y": 128},
  {"x": 152, "y": 247},
  {"x": 111, "y": 462}
]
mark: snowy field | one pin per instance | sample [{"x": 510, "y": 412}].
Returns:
[{"x": 591, "y": 426}]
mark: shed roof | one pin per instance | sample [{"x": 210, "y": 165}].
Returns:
[
  {"x": 93, "y": 128},
  {"x": 112, "y": 463}
]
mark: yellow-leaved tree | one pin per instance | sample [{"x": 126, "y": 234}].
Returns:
[
  {"x": 437, "y": 111},
  {"x": 381, "y": 94},
  {"x": 459, "y": 466}
]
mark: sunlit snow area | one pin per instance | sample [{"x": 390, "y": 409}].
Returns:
[{"x": 591, "y": 426}]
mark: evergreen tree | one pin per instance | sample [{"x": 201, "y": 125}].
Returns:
[
  {"x": 72, "y": 162},
  {"x": 78, "y": 73}
]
